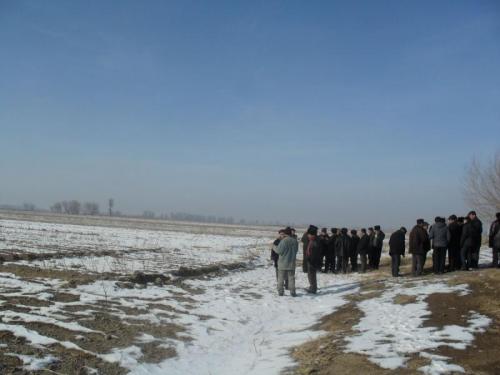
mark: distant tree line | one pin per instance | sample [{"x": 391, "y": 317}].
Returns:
[{"x": 74, "y": 207}]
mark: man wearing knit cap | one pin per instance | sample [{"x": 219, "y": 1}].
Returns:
[{"x": 312, "y": 258}]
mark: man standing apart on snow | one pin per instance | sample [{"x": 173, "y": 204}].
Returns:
[
  {"x": 396, "y": 249},
  {"x": 287, "y": 251},
  {"x": 312, "y": 258},
  {"x": 418, "y": 247},
  {"x": 494, "y": 239}
]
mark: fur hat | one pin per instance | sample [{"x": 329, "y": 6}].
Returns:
[
  {"x": 498, "y": 215},
  {"x": 376, "y": 227},
  {"x": 343, "y": 230},
  {"x": 363, "y": 230},
  {"x": 420, "y": 221},
  {"x": 312, "y": 230},
  {"x": 287, "y": 231},
  {"x": 452, "y": 217},
  {"x": 472, "y": 213},
  {"x": 354, "y": 232}
]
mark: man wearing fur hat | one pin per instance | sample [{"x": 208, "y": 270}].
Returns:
[
  {"x": 287, "y": 251},
  {"x": 312, "y": 258}
]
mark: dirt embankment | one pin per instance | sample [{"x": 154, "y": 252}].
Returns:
[{"x": 326, "y": 355}]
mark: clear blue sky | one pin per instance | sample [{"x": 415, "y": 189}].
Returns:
[{"x": 329, "y": 112}]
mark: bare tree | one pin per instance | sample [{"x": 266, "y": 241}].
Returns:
[
  {"x": 57, "y": 207},
  {"x": 482, "y": 186},
  {"x": 90, "y": 208},
  {"x": 74, "y": 207}
]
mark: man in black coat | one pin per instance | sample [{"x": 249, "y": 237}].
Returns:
[
  {"x": 353, "y": 252},
  {"x": 419, "y": 245},
  {"x": 377, "y": 244},
  {"x": 455, "y": 231},
  {"x": 494, "y": 239},
  {"x": 397, "y": 247},
  {"x": 342, "y": 248},
  {"x": 324, "y": 239},
  {"x": 363, "y": 249},
  {"x": 312, "y": 258},
  {"x": 371, "y": 251},
  {"x": 476, "y": 234},
  {"x": 330, "y": 252}
]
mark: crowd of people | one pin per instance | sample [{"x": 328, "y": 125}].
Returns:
[{"x": 344, "y": 251}]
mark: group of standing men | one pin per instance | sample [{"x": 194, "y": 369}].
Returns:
[
  {"x": 461, "y": 238},
  {"x": 339, "y": 252}
]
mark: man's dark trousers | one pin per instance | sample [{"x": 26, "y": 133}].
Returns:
[{"x": 396, "y": 262}]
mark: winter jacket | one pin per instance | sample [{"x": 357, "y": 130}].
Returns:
[
  {"x": 315, "y": 257},
  {"x": 378, "y": 240},
  {"x": 455, "y": 231},
  {"x": 471, "y": 234},
  {"x": 324, "y": 240},
  {"x": 419, "y": 241},
  {"x": 342, "y": 245},
  {"x": 353, "y": 251},
  {"x": 494, "y": 237},
  {"x": 364, "y": 244},
  {"x": 287, "y": 251},
  {"x": 397, "y": 243},
  {"x": 439, "y": 235}
]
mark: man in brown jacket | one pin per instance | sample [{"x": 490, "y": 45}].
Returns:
[{"x": 419, "y": 241}]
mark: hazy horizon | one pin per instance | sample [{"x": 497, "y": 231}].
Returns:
[{"x": 327, "y": 112}]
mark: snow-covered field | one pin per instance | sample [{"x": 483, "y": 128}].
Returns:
[{"x": 224, "y": 324}]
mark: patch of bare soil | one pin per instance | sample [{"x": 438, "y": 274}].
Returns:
[
  {"x": 326, "y": 355},
  {"x": 483, "y": 356},
  {"x": 31, "y": 273}
]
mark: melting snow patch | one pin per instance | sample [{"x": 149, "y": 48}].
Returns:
[
  {"x": 389, "y": 332},
  {"x": 31, "y": 363}
]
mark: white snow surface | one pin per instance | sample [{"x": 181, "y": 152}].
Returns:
[{"x": 135, "y": 249}]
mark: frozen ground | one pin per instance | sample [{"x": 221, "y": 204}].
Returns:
[{"x": 224, "y": 324}]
